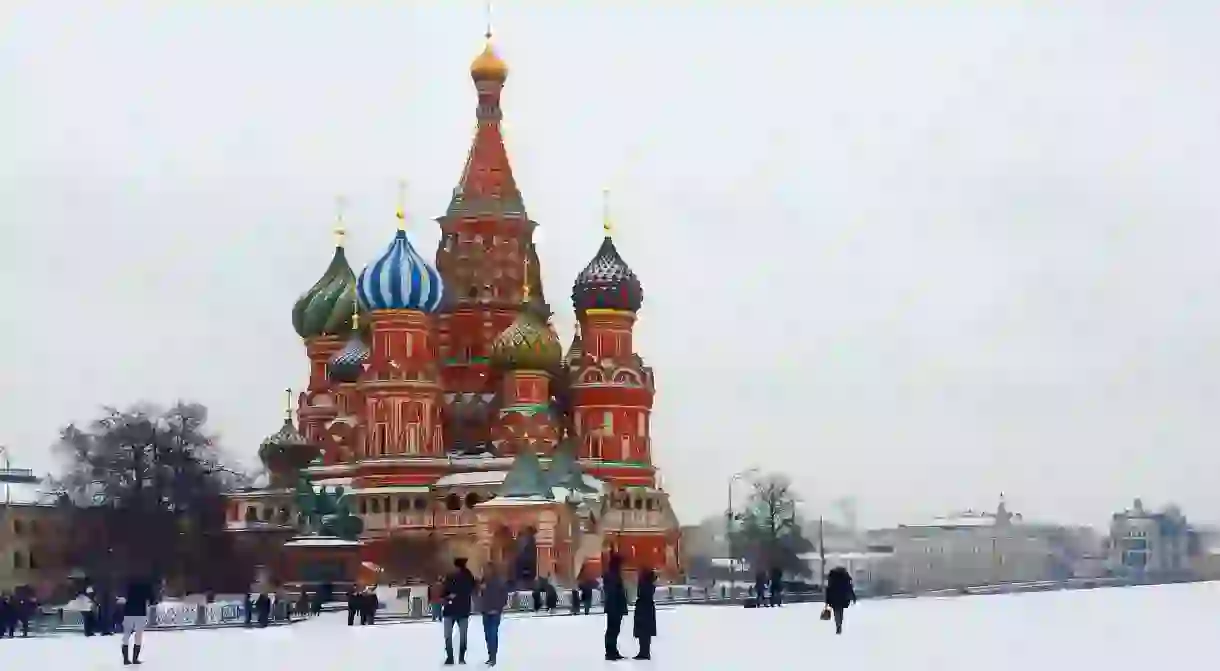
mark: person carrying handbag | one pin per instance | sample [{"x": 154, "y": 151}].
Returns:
[{"x": 839, "y": 595}]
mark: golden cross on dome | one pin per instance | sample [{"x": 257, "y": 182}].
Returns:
[
  {"x": 356, "y": 316},
  {"x": 487, "y": 16},
  {"x": 288, "y": 404},
  {"x": 606, "y": 212},
  {"x": 401, "y": 211},
  {"x": 340, "y": 228},
  {"x": 525, "y": 281}
]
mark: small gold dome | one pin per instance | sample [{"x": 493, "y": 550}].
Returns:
[{"x": 488, "y": 65}]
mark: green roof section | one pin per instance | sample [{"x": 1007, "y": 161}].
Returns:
[
  {"x": 525, "y": 479},
  {"x": 565, "y": 469}
]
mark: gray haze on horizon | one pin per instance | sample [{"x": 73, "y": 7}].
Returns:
[{"x": 918, "y": 257}]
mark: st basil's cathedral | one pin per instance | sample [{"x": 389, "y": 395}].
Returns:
[{"x": 441, "y": 400}]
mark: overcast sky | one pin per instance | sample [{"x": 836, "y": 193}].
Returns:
[{"x": 919, "y": 257}]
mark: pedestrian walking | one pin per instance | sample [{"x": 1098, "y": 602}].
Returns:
[
  {"x": 615, "y": 604},
  {"x": 139, "y": 598},
  {"x": 839, "y": 594},
  {"x": 493, "y": 599},
  {"x": 457, "y": 593},
  {"x": 645, "y": 625}
]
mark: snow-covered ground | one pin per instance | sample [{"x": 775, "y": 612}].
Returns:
[{"x": 1116, "y": 629}]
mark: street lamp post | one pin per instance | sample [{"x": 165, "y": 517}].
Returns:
[{"x": 728, "y": 528}]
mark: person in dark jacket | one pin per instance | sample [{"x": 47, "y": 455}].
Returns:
[
  {"x": 537, "y": 593},
  {"x": 615, "y": 604},
  {"x": 139, "y": 599},
  {"x": 315, "y": 605},
  {"x": 493, "y": 599},
  {"x": 457, "y": 592},
  {"x": 839, "y": 594},
  {"x": 645, "y": 625},
  {"x": 8, "y": 616},
  {"x": 89, "y": 617},
  {"x": 353, "y": 605},
  {"x": 552, "y": 596},
  {"x": 247, "y": 606},
  {"x": 262, "y": 608},
  {"x": 760, "y": 589},
  {"x": 777, "y": 587},
  {"x": 368, "y": 606},
  {"x": 586, "y": 594}
]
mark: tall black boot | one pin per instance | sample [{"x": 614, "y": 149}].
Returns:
[
  {"x": 462, "y": 653},
  {"x": 135, "y": 655},
  {"x": 126, "y": 659},
  {"x": 448, "y": 653},
  {"x": 645, "y": 648}
]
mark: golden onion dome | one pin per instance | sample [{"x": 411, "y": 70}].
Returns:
[{"x": 488, "y": 65}]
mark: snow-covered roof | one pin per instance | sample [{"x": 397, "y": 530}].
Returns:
[
  {"x": 320, "y": 541},
  {"x": 846, "y": 556},
  {"x": 26, "y": 494},
  {"x": 392, "y": 489},
  {"x": 502, "y": 501},
  {"x": 333, "y": 482},
  {"x": 472, "y": 478}
]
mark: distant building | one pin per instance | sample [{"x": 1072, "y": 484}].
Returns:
[
  {"x": 872, "y": 570},
  {"x": 31, "y": 534},
  {"x": 974, "y": 548},
  {"x": 1144, "y": 543},
  {"x": 1205, "y": 562}
]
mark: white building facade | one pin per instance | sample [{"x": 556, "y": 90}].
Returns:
[{"x": 971, "y": 549}]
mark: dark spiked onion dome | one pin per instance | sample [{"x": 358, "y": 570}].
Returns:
[
  {"x": 286, "y": 451},
  {"x": 347, "y": 365},
  {"x": 607, "y": 283}
]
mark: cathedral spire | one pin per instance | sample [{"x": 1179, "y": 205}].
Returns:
[{"x": 487, "y": 185}]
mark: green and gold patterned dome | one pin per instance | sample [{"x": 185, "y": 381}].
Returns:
[
  {"x": 529, "y": 343},
  {"x": 327, "y": 308}
]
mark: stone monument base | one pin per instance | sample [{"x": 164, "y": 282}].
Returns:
[{"x": 321, "y": 563}]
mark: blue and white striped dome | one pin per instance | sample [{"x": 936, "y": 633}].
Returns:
[{"x": 400, "y": 279}]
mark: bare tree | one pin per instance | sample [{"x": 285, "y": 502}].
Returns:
[
  {"x": 146, "y": 491},
  {"x": 769, "y": 536}
]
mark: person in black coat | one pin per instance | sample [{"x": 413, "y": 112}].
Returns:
[
  {"x": 615, "y": 605},
  {"x": 645, "y": 625},
  {"x": 353, "y": 605},
  {"x": 262, "y": 608},
  {"x": 586, "y": 594},
  {"x": 839, "y": 594},
  {"x": 760, "y": 589},
  {"x": 777, "y": 587},
  {"x": 139, "y": 598},
  {"x": 456, "y": 595},
  {"x": 8, "y": 616}
]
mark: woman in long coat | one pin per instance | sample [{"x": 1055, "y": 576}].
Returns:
[
  {"x": 645, "y": 625},
  {"x": 839, "y": 594}
]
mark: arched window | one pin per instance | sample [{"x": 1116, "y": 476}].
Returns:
[
  {"x": 18, "y": 560},
  {"x": 421, "y": 504},
  {"x": 251, "y": 514},
  {"x": 364, "y": 506},
  {"x": 376, "y": 506},
  {"x": 453, "y": 502},
  {"x": 18, "y": 527},
  {"x": 404, "y": 504},
  {"x": 472, "y": 500},
  {"x": 30, "y": 562}
]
